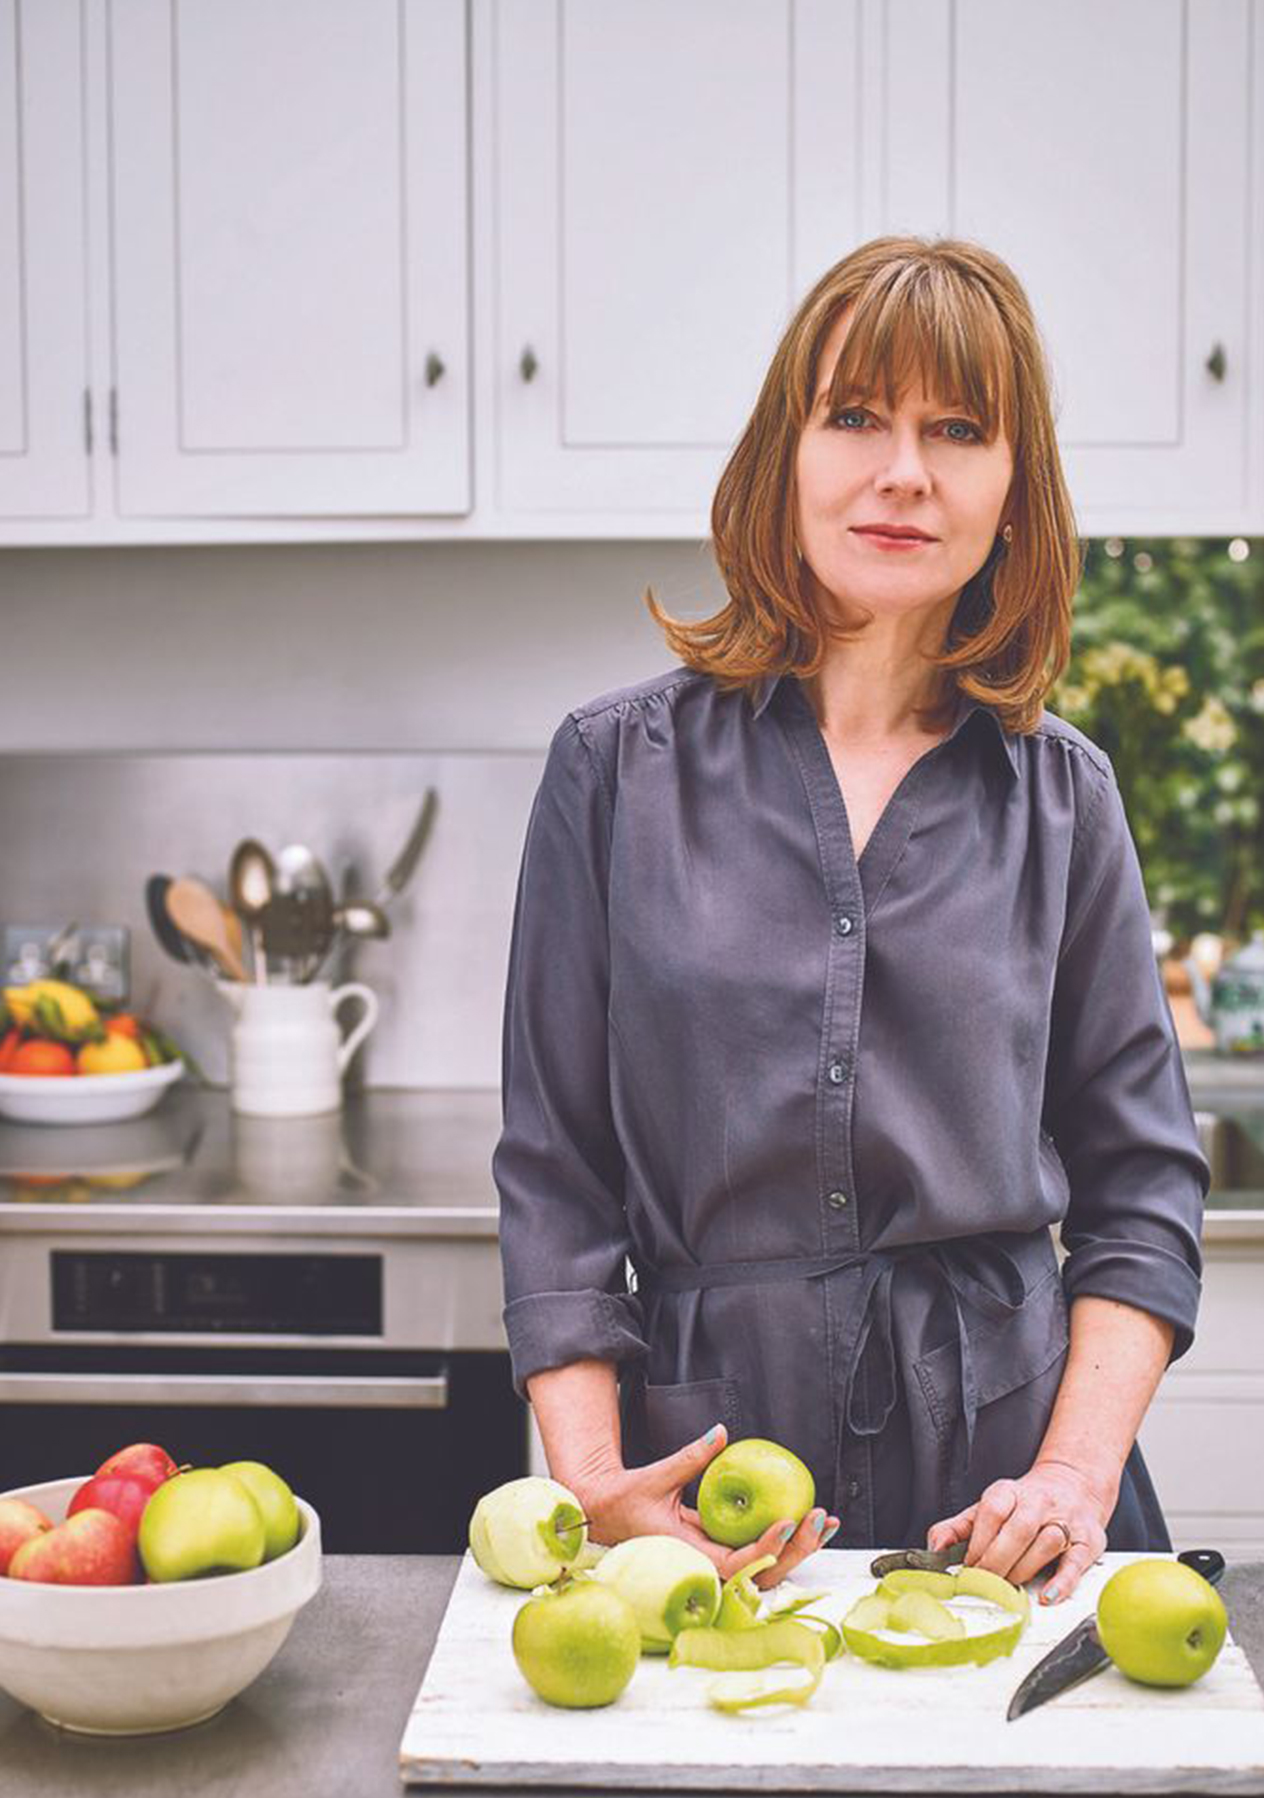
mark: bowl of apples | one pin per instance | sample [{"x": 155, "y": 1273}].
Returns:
[{"x": 147, "y": 1596}]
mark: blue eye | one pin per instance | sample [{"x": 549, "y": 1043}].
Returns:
[{"x": 976, "y": 436}]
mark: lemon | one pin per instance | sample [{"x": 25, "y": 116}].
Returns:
[{"x": 116, "y": 1055}]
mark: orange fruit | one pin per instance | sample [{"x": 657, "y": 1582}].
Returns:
[
  {"x": 38, "y": 1056},
  {"x": 116, "y": 1055},
  {"x": 8, "y": 1048},
  {"x": 123, "y": 1025}
]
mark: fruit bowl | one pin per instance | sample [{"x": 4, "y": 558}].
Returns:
[
  {"x": 84, "y": 1098},
  {"x": 133, "y": 1660}
]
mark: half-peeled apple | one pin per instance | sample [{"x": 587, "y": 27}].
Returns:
[{"x": 526, "y": 1532}]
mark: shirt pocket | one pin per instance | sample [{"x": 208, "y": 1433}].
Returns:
[
  {"x": 1017, "y": 1368},
  {"x": 676, "y": 1415}
]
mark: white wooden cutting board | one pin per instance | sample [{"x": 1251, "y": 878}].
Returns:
[{"x": 476, "y": 1721}]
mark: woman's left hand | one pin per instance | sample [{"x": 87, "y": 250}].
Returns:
[{"x": 1009, "y": 1529}]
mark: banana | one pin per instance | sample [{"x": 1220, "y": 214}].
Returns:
[{"x": 56, "y": 1009}]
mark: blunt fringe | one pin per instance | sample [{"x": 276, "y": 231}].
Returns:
[{"x": 957, "y": 314}]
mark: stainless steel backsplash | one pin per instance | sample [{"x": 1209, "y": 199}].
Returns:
[{"x": 81, "y": 834}]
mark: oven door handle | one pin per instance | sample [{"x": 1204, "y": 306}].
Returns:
[{"x": 246, "y": 1391}]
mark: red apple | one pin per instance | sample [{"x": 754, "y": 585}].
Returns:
[
  {"x": 141, "y": 1459},
  {"x": 93, "y": 1548},
  {"x": 19, "y": 1523},
  {"x": 126, "y": 1495}
]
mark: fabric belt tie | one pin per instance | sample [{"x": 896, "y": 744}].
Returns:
[{"x": 979, "y": 1269}]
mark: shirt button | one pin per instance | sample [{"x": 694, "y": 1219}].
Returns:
[
  {"x": 838, "y": 1200},
  {"x": 853, "y": 1488},
  {"x": 837, "y": 1072},
  {"x": 843, "y": 924}
]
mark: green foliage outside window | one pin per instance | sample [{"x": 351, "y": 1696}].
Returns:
[{"x": 1167, "y": 675}]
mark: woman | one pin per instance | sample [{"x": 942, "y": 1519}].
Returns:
[{"x": 831, "y": 989}]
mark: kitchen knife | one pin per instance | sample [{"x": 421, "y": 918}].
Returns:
[{"x": 1080, "y": 1654}]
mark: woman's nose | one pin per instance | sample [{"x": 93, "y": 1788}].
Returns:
[{"x": 905, "y": 466}]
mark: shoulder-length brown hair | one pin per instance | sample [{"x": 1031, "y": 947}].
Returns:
[{"x": 957, "y": 314}]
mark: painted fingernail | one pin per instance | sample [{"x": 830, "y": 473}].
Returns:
[
  {"x": 712, "y": 1433},
  {"x": 785, "y": 1532},
  {"x": 1050, "y": 1595},
  {"x": 819, "y": 1525},
  {"x": 831, "y": 1531}
]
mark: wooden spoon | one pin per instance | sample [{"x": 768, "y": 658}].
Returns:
[{"x": 198, "y": 913}]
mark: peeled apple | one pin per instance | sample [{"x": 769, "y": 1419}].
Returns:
[
  {"x": 526, "y": 1532},
  {"x": 670, "y": 1585}
]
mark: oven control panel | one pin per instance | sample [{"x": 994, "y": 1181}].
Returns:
[{"x": 210, "y": 1294}]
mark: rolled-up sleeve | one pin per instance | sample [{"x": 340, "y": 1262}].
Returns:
[
  {"x": 558, "y": 1167},
  {"x": 1117, "y": 1100}
]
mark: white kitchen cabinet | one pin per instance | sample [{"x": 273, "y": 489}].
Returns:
[
  {"x": 669, "y": 179},
  {"x": 44, "y": 385},
  {"x": 515, "y": 268},
  {"x": 1109, "y": 154},
  {"x": 1203, "y": 1436},
  {"x": 290, "y": 256}
]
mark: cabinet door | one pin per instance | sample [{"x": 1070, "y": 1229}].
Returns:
[
  {"x": 43, "y": 272},
  {"x": 668, "y": 181},
  {"x": 291, "y": 256},
  {"x": 1203, "y": 1436},
  {"x": 1105, "y": 152}
]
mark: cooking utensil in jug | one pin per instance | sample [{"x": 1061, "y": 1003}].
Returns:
[
  {"x": 195, "y": 910},
  {"x": 354, "y": 918},
  {"x": 250, "y": 876},
  {"x": 301, "y": 882},
  {"x": 173, "y": 940},
  {"x": 400, "y": 871}
]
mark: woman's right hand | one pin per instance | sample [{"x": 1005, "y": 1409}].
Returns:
[{"x": 646, "y": 1501}]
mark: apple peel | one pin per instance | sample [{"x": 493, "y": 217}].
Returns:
[
  {"x": 742, "y": 1656},
  {"x": 740, "y": 1597},
  {"x": 892, "y": 1605}
]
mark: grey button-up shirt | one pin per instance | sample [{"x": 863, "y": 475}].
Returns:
[{"x": 828, "y": 1110}]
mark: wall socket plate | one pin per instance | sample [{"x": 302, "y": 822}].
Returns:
[{"x": 97, "y": 957}]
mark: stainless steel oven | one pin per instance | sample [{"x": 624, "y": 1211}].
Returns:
[{"x": 349, "y": 1336}]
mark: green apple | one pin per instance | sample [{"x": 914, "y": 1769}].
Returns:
[
  {"x": 670, "y": 1584},
  {"x": 751, "y": 1484},
  {"x": 276, "y": 1504},
  {"x": 577, "y": 1646},
  {"x": 526, "y": 1532},
  {"x": 1160, "y": 1622},
  {"x": 200, "y": 1522}
]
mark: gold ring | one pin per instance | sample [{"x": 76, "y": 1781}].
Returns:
[{"x": 1056, "y": 1523}]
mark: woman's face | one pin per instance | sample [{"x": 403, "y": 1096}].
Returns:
[{"x": 923, "y": 465}]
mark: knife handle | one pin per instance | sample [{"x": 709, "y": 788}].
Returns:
[{"x": 1207, "y": 1561}]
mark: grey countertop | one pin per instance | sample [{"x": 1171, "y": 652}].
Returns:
[
  {"x": 326, "y": 1719},
  {"x": 415, "y": 1161},
  {"x": 418, "y": 1160}
]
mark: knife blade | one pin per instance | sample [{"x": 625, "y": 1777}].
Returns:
[{"x": 1080, "y": 1654}]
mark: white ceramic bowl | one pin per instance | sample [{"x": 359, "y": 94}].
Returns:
[
  {"x": 84, "y": 1098},
  {"x": 132, "y": 1660}
]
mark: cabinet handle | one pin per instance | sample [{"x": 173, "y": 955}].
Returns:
[
  {"x": 527, "y": 365},
  {"x": 435, "y": 369},
  {"x": 1215, "y": 364}
]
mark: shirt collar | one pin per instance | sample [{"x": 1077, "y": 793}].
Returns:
[{"x": 767, "y": 685}]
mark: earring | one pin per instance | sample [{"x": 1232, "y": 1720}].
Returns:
[{"x": 1008, "y": 533}]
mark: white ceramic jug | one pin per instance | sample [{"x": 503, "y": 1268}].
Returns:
[{"x": 288, "y": 1054}]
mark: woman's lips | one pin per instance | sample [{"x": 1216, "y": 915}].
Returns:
[{"x": 883, "y": 541}]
